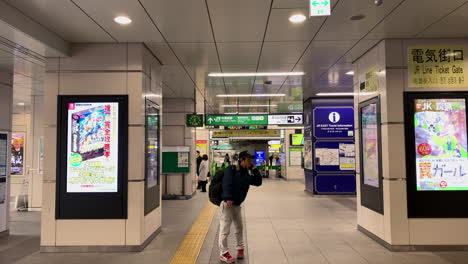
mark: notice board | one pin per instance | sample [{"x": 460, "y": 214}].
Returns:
[{"x": 176, "y": 159}]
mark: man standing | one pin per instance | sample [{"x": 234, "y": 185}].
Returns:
[
  {"x": 236, "y": 183},
  {"x": 199, "y": 160}
]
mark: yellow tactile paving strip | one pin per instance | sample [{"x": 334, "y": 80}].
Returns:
[{"x": 189, "y": 249}]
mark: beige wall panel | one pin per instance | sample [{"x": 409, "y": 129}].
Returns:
[{"x": 90, "y": 232}]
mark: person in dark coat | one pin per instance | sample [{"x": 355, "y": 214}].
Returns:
[{"x": 199, "y": 161}]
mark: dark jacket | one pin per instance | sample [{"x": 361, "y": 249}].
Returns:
[{"x": 236, "y": 184}]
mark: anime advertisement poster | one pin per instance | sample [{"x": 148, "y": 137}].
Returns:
[
  {"x": 92, "y": 151},
  {"x": 441, "y": 144},
  {"x": 370, "y": 145},
  {"x": 17, "y": 154}
]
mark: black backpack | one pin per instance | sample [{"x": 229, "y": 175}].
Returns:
[{"x": 216, "y": 186}]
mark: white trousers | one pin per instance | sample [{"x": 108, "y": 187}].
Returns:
[{"x": 228, "y": 216}]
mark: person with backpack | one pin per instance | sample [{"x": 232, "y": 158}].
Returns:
[{"x": 228, "y": 189}]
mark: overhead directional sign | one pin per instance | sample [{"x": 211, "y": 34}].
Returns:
[
  {"x": 285, "y": 119},
  {"x": 236, "y": 120},
  {"x": 320, "y": 8}
]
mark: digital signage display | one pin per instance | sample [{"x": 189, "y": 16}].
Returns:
[
  {"x": 441, "y": 144},
  {"x": 17, "y": 153},
  {"x": 370, "y": 145},
  {"x": 92, "y": 147},
  {"x": 297, "y": 139},
  {"x": 259, "y": 157}
]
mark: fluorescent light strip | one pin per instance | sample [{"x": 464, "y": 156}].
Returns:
[
  {"x": 248, "y": 105},
  {"x": 253, "y": 74},
  {"x": 335, "y": 94},
  {"x": 350, "y": 73},
  {"x": 250, "y": 95}
]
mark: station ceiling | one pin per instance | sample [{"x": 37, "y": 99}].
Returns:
[{"x": 195, "y": 37}]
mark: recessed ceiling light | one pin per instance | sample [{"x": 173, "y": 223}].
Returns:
[
  {"x": 123, "y": 20},
  {"x": 335, "y": 94},
  {"x": 253, "y": 74},
  {"x": 20, "y": 103},
  {"x": 357, "y": 17},
  {"x": 297, "y": 18},
  {"x": 350, "y": 73},
  {"x": 250, "y": 95}
]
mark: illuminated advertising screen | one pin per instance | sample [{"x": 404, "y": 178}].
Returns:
[
  {"x": 297, "y": 139},
  {"x": 259, "y": 158},
  {"x": 370, "y": 145},
  {"x": 92, "y": 147},
  {"x": 441, "y": 144}
]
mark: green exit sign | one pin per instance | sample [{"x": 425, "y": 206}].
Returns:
[
  {"x": 194, "y": 120},
  {"x": 236, "y": 120},
  {"x": 320, "y": 7}
]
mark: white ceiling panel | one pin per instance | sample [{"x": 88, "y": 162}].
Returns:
[
  {"x": 239, "y": 20},
  {"x": 276, "y": 53},
  {"x": 239, "y": 67},
  {"x": 141, "y": 28},
  {"x": 292, "y": 4},
  {"x": 280, "y": 29},
  {"x": 340, "y": 27},
  {"x": 196, "y": 53},
  {"x": 163, "y": 52},
  {"x": 325, "y": 53},
  {"x": 359, "y": 49},
  {"x": 412, "y": 17},
  {"x": 63, "y": 18},
  {"x": 181, "y": 21},
  {"x": 453, "y": 25},
  {"x": 239, "y": 52}
]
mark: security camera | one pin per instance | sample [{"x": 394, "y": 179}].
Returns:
[{"x": 378, "y": 2}]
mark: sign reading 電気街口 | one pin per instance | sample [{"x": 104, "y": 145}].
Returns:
[{"x": 437, "y": 66}]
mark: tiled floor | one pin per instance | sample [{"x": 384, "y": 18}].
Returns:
[{"x": 283, "y": 225}]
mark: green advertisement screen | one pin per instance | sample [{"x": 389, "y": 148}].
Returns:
[{"x": 297, "y": 139}]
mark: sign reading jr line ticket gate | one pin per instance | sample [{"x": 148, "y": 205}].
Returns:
[
  {"x": 228, "y": 120},
  {"x": 437, "y": 66}
]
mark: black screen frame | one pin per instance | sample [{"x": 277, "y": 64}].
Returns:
[
  {"x": 91, "y": 205},
  {"x": 429, "y": 204},
  {"x": 371, "y": 197},
  {"x": 153, "y": 194}
]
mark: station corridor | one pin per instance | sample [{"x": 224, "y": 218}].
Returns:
[{"x": 284, "y": 225}]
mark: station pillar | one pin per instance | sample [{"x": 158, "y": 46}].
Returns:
[
  {"x": 385, "y": 75},
  {"x": 126, "y": 70},
  {"x": 6, "y": 105}
]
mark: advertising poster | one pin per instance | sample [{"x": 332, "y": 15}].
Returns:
[
  {"x": 437, "y": 66},
  {"x": 183, "y": 159},
  {"x": 2, "y": 190},
  {"x": 308, "y": 159},
  {"x": 152, "y": 152},
  {"x": 370, "y": 145},
  {"x": 202, "y": 146},
  {"x": 17, "y": 153},
  {"x": 441, "y": 144},
  {"x": 92, "y": 149},
  {"x": 334, "y": 122},
  {"x": 295, "y": 156},
  {"x": 297, "y": 139}
]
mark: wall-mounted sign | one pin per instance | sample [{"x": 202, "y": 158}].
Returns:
[
  {"x": 320, "y": 7},
  {"x": 92, "y": 155},
  {"x": 295, "y": 157},
  {"x": 194, "y": 120},
  {"x": 333, "y": 122},
  {"x": 247, "y": 133},
  {"x": 285, "y": 119},
  {"x": 259, "y": 158},
  {"x": 236, "y": 120},
  {"x": 334, "y": 156},
  {"x": 372, "y": 81},
  {"x": 17, "y": 153},
  {"x": 441, "y": 144},
  {"x": 290, "y": 107},
  {"x": 437, "y": 66},
  {"x": 202, "y": 146}
]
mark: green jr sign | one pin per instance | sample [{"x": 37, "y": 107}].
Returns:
[{"x": 240, "y": 120}]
